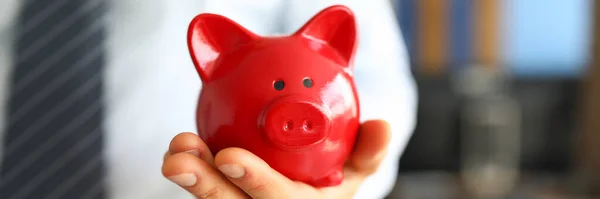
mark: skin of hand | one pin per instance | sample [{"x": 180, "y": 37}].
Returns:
[{"x": 237, "y": 173}]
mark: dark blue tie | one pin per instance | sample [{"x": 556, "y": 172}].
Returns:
[{"x": 54, "y": 136}]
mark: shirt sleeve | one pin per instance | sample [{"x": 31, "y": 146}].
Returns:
[{"x": 383, "y": 77}]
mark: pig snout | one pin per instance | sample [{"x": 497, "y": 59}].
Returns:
[{"x": 296, "y": 124}]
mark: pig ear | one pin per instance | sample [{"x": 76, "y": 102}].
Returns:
[
  {"x": 335, "y": 26},
  {"x": 209, "y": 36}
]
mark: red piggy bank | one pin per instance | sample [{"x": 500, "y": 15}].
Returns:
[{"x": 290, "y": 100}]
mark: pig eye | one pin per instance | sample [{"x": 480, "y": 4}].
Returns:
[
  {"x": 307, "y": 82},
  {"x": 278, "y": 85}
]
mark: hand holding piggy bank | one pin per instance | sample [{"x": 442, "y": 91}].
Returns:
[{"x": 290, "y": 100}]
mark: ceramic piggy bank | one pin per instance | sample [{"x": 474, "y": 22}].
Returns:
[{"x": 291, "y": 100}]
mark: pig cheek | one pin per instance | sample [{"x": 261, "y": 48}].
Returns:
[
  {"x": 340, "y": 96},
  {"x": 228, "y": 110}
]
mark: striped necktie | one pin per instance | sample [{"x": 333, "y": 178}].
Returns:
[{"x": 53, "y": 143}]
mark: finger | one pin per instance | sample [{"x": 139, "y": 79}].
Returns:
[
  {"x": 167, "y": 155},
  {"x": 199, "y": 178},
  {"x": 252, "y": 174},
  {"x": 348, "y": 187},
  {"x": 191, "y": 143},
  {"x": 371, "y": 146}
]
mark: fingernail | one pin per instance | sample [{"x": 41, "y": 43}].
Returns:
[
  {"x": 232, "y": 170},
  {"x": 194, "y": 152},
  {"x": 185, "y": 180}
]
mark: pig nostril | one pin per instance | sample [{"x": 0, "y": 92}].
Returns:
[
  {"x": 288, "y": 125},
  {"x": 307, "y": 125}
]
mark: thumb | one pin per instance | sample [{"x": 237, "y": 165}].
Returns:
[{"x": 371, "y": 146}]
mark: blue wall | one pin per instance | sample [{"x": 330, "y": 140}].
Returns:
[{"x": 547, "y": 37}]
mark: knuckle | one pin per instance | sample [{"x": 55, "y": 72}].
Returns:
[
  {"x": 166, "y": 155},
  {"x": 260, "y": 187},
  {"x": 212, "y": 193}
]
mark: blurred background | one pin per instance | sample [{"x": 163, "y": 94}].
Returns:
[{"x": 509, "y": 99}]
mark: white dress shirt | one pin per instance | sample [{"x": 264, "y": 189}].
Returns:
[{"x": 152, "y": 86}]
